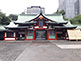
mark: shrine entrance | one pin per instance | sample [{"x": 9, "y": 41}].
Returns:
[
  {"x": 60, "y": 35},
  {"x": 40, "y": 35}
]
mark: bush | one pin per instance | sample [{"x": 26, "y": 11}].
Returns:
[{"x": 76, "y": 20}]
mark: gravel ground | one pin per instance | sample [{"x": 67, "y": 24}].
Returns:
[{"x": 10, "y": 51}]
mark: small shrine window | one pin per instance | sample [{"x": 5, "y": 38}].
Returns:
[{"x": 40, "y": 23}]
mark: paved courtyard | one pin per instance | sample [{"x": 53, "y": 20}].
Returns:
[{"x": 38, "y": 51}]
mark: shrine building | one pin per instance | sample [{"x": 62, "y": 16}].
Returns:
[{"x": 40, "y": 26}]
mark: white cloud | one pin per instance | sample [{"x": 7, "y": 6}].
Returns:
[{"x": 17, "y": 6}]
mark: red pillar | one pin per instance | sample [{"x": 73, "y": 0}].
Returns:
[
  {"x": 55, "y": 35},
  {"x": 25, "y": 34},
  {"x": 4, "y": 35},
  {"x": 47, "y": 34},
  {"x": 34, "y": 34}
]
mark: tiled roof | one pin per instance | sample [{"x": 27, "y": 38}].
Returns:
[{"x": 2, "y": 27}]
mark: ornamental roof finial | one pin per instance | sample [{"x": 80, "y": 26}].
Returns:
[{"x": 40, "y": 11}]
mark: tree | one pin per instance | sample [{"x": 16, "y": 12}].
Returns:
[
  {"x": 76, "y": 20},
  {"x": 13, "y": 17},
  {"x": 4, "y": 20},
  {"x": 63, "y": 13}
]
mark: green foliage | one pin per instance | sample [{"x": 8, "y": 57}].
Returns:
[
  {"x": 61, "y": 12},
  {"x": 4, "y": 20},
  {"x": 76, "y": 20},
  {"x": 65, "y": 18},
  {"x": 13, "y": 17}
]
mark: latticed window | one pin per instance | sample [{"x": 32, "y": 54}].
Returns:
[
  {"x": 30, "y": 34},
  {"x": 10, "y": 34},
  {"x": 51, "y": 34}
]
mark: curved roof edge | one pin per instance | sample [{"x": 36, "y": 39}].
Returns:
[
  {"x": 55, "y": 14},
  {"x": 2, "y": 28},
  {"x": 11, "y": 25}
]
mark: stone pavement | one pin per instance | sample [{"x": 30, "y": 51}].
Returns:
[
  {"x": 9, "y": 51},
  {"x": 48, "y": 52},
  {"x": 38, "y": 51}
]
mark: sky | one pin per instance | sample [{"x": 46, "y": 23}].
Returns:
[{"x": 18, "y": 6}]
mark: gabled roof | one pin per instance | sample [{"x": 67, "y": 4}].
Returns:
[
  {"x": 55, "y": 17},
  {"x": 23, "y": 18},
  {"x": 30, "y": 19},
  {"x": 67, "y": 26},
  {"x": 2, "y": 28},
  {"x": 11, "y": 25}
]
